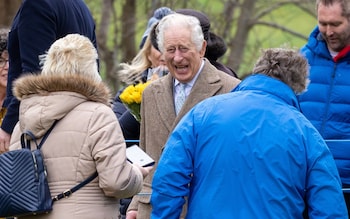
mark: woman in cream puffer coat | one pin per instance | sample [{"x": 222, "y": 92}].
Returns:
[{"x": 87, "y": 137}]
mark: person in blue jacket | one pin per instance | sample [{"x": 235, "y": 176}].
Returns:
[
  {"x": 35, "y": 27},
  {"x": 327, "y": 101},
  {"x": 250, "y": 153}
]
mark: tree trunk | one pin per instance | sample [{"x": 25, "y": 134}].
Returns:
[
  {"x": 127, "y": 43},
  {"x": 239, "y": 41}
]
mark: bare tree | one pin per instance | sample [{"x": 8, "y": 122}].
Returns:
[
  {"x": 253, "y": 13},
  {"x": 239, "y": 41}
]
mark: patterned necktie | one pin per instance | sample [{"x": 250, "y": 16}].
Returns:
[{"x": 180, "y": 97}]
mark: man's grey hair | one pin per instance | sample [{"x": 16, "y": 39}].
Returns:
[
  {"x": 173, "y": 21},
  {"x": 286, "y": 65},
  {"x": 344, "y": 4}
]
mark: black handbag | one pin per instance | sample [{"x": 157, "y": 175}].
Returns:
[{"x": 24, "y": 189}]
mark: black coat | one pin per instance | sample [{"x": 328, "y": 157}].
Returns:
[{"x": 35, "y": 27}]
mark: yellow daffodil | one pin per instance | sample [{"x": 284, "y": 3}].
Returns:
[{"x": 132, "y": 96}]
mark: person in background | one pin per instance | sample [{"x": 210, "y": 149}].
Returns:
[
  {"x": 327, "y": 101},
  {"x": 35, "y": 27},
  {"x": 250, "y": 153},
  {"x": 141, "y": 69},
  {"x": 3, "y": 69},
  {"x": 4, "y": 66},
  {"x": 146, "y": 62},
  {"x": 87, "y": 137},
  {"x": 191, "y": 79},
  {"x": 158, "y": 14},
  {"x": 146, "y": 65},
  {"x": 216, "y": 46}
]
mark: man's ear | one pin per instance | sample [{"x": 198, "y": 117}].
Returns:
[{"x": 203, "y": 49}]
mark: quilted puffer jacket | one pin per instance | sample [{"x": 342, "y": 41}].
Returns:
[
  {"x": 327, "y": 101},
  {"x": 86, "y": 139}
]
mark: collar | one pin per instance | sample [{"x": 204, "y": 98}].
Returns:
[{"x": 342, "y": 53}]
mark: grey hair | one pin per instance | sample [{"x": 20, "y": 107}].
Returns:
[
  {"x": 344, "y": 4},
  {"x": 179, "y": 20},
  {"x": 287, "y": 65},
  {"x": 73, "y": 54}
]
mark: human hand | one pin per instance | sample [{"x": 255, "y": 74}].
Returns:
[
  {"x": 4, "y": 141},
  {"x": 131, "y": 214},
  {"x": 144, "y": 170}
]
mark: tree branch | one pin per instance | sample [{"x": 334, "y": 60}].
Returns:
[{"x": 284, "y": 29}]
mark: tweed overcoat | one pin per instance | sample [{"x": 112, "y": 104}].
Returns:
[
  {"x": 158, "y": 118},
  {"x": 87, "y": 138}
]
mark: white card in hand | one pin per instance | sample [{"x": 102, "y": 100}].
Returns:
[{"x": 135, "y": 154}]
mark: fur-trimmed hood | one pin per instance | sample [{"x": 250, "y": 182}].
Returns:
[
  {"x": 45, "y": 99},
  {"x": 44, "y": 84}
]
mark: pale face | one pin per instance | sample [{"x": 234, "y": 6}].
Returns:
[
  {"x": 334, "y": 27},
  {"x": 181, "y": 56},
  {"x": 4, "y": 67},
  {"x": 156, "y": 57}
]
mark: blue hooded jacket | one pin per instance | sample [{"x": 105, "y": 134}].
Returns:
[
  {"x": 327, "y": 101},
  {"x": 247, "y": 154}
]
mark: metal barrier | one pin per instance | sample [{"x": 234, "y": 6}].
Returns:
[{"x": 132, "y": 141}]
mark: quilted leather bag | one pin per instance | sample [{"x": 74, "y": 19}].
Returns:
[{"x": 23, "y": 184}]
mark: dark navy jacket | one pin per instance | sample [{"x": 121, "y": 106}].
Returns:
[{"x": 37, "y": 24}]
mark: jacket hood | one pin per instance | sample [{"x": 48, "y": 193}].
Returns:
[
  {"x": 44, "y": 84},
  {"x": 45, "y": 99},
  {"x": 317, "y": 44},
  {"x": 269, "y": 85}
]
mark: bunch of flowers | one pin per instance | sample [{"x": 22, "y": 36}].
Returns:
[{"x": 132, "y": 96}]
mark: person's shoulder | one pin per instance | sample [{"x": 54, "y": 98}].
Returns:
[
  {"x": 223, "y": 68},
  {"x": 228, "y": 79},
  {"x": 160, "y": 82},
  {"x": 32, "y": 4},
  {"x": 211, "y": 71}
]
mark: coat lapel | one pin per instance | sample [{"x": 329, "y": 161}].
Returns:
[{"x": 163, "y": 94}]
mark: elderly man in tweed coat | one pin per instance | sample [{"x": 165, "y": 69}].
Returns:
[{"x": 181, "y": 41}]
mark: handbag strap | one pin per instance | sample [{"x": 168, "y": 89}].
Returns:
[
  {"x": 32, "y": 137},
  {"x": 68, "y": 192}
]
